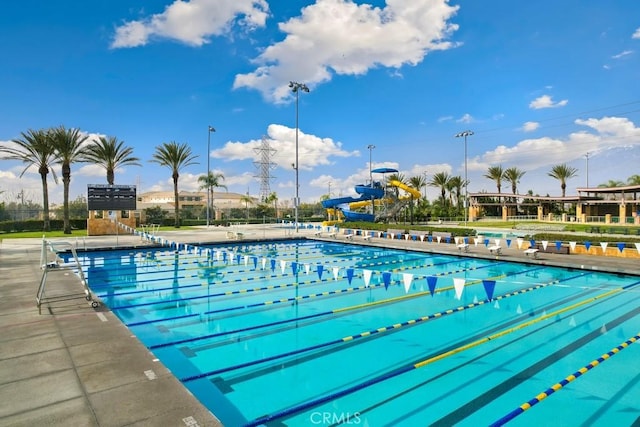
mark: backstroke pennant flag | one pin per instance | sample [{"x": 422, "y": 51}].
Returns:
[
  {"x": 545, "y": 243},
  {"x": 307, "y": 268},
  {"x": 407, "y": 278},
  {"x": 489, "y": 287},
  {"x": 621, "y": 246},
  {"x": 587, "y": 245},
  {"x": 431, "y": 282},
  {"x": 458, "y": 285},
  {"x": 604, "y": 245},
  {"x": 519, "y": 241},
  {"x": 273, "y": 264},
  {"x": 283, "y": 265},
  {"x": 336, "y": 271},
  {"x": 638, "y": 247},
  {"x": 558, "y": 244},
  {"x": 320, "y": 269},
  {"x": 366, "y": 275},
  {"x": 350, "y": 275},
  {"x": 294, "y": 267},
  {"x": 386, "y": 279},
  {"x": 264, "y": 263},
  {"x": 572, "y": 245}
]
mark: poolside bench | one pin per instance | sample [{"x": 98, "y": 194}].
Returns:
[
  {"x": 553, "y": 249},
  {"x": 463, "y": 247},
  {"x": 495, "y": 249},
  {"x": 533, "y": 252},
  {"x": 235, "y": 235}
]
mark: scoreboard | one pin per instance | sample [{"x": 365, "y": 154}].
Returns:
[{"x": 111, "y": 197}]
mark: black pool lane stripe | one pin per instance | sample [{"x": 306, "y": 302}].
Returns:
[{"x": 492, "y": 394}]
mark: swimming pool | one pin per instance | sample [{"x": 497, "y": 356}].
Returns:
[{"x": 323, "y": 333}]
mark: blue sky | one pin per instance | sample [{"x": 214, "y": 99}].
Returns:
[{"x": 539, "y": 83}]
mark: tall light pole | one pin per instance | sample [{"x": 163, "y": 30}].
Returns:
[
  {"x": 211, "y": 129},
  {"x": 586, "y": 156},
  {"x": 296, "y": 88},
  {"x": 370, "y": 147},
  {"x": 373, "y": 202},
  {"x": 464, "y": 134}
]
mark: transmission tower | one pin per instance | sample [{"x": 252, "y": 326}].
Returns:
[{"x": 265, "y": 165}]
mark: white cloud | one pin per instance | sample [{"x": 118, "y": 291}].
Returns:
[
  {"x": 192, "y": 22},
  {"x": 530, "y": 126},
  {"x": 444, "y": 119},
  {"x": 622, "y": 54},
  {"x": 466, "y": 118},
  {"x": 545, "y": 101},
  {"x": 345, "y": 38},
  {"x": 608, "y": 132},
  {"x": 313, "y": 151},
  {"x": 636, "y": 35}
]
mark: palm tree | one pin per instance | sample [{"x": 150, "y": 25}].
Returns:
[
  {"x": 633, "y": 180},
  {"x": 612, "y": 183},
  {"x": 418, "y": 182},
  {"x": 273, "y": 198},
  {"x": 70, "y": 147},
  {"x": 496, "y": 173},
  {"x": 209, "y": 183},
  {"x": 248, "y": 200},
  {"x": 440, "y": 180},
  {"x": 35, "y": 149},
  {"x": 110, "y": 154},
  {"x": 513, "y": 175},
  {"x": 175, "y": 156},
  {"x": 562, "y": 173}
]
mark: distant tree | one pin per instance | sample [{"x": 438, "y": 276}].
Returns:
[
  {"x": 174, "y": 156},
  {"x": 209, "y": 183},
  {"x": 418, "y": 182},
  {"x": 70, "y": 147},
  {"x": 513, "y": 175},
  {"x": 562, "y": 173},
  {"x": 154, "y": 215},
  {"x": 611, "y": 184},
  {"x": 440, "y": 180},
  {"x": 496, "y": 173},
  {"x": 110, "y": 154},
  {"x": 34, "y": 148},
  {"x": 248, "y": 200},
  {"x": 273, "y": 198},
  {"x": 78, "y": 208},
  {"x": 633, "y": 180}
]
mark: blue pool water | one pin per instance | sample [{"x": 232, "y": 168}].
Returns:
[{"x": 304, "y": 333}]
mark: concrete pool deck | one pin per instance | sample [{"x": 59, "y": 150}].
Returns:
[{"x": 75, "y": 365}]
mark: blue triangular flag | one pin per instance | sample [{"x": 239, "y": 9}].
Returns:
[
  {"x": 587, "y": 245},
  {"x": 621, "y": 246},
  {"x": 273, "y": 264},
  {"x": 294, "y": 267},
  {"x": 320, "y": 269},
  {"x": 489, "y": 286},
  {"x": 386, "y": 278},
  {"x": 431, "y": 282},
  {"x": 508, "y": 242},
  {"x": 255, "y": 262},
  {"x": 558, "y": 244},
  {"x": 349, "y": 274}
]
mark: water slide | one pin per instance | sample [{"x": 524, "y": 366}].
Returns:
[
  {"x": 415, "y": 193},
  {"x": 388, "y": 203}
]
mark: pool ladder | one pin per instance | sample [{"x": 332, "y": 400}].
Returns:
[{"x": 50, "y": 261}]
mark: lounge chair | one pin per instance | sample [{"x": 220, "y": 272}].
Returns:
[{"x": 463, "y": 247}]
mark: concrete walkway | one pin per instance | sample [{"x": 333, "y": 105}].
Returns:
[{"x": 74, "y": 365}]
